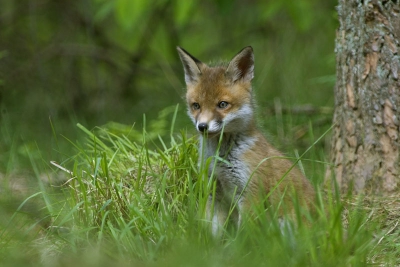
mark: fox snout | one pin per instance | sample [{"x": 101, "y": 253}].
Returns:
[
  {"x": 202, "y": 127},
  {"x": 207, "y": 122},
  {"x": 210, "y": 127}
]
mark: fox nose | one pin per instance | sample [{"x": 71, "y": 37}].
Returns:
[{"x": 202, "y": 127}]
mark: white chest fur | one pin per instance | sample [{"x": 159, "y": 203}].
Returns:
[{"x": 228, "y": 166}]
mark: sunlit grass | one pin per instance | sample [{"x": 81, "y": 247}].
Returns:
[{"x": 126, "y": 200}]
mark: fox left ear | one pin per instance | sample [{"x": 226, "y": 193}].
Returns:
[{"x": 242, "y": 66}]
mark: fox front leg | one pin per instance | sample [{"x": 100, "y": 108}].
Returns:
[{"x": 217, "y": 215}]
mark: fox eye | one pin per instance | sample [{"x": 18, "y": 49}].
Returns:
[
  {"x": 223, "y": 104},
  {"x": 195, "y": 106}
]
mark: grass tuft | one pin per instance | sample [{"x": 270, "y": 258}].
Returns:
[{"x": 140, "y": 200}]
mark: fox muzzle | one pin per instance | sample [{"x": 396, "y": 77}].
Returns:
[{"x": 202, "y": 127}]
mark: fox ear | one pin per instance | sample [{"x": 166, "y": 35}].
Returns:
[
  {"x": 241, "y": 66},
  {"x": 191, "y": 66}
]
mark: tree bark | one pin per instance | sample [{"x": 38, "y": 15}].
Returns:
[{"x": 365, "y": 142}]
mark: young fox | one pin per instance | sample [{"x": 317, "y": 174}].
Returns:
[{"x": 220, "y": 102}]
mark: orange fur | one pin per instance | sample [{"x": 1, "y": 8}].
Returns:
[{"x": 220, "y": 102}]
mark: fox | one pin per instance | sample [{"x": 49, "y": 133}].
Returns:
[{"x": 221, "y": 105}]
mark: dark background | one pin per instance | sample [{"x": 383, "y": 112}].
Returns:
[{"x": 101, "y": 61}]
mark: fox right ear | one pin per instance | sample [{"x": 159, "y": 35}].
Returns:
[{"x": 191, "y": 66}]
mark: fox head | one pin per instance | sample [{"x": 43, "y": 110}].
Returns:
[{"x": 219, "y": 98}]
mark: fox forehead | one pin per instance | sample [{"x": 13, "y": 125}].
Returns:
[{"x": 213, "y": 87}]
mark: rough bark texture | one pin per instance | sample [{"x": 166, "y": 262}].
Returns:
[{"x": 365, "y": 142}]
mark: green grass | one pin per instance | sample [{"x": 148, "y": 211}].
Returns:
[{"x": 131, "y": 199}]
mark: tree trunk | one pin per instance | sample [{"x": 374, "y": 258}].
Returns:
[{"x": 365, "y": 143}]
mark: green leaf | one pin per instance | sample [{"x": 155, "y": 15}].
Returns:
[
  {"x": 105, "y": 9},
  {"x": 129, "y": 12},
  {"x": 269, "y": 9},
  {"x": 301, "y": 12},
  {"x": 183, "y": 11}
]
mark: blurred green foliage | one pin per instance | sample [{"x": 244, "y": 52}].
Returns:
[{"x": 97, "y": 61}]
